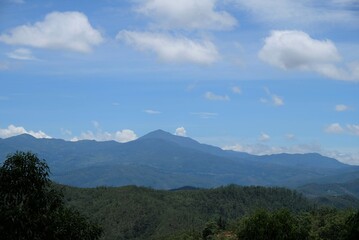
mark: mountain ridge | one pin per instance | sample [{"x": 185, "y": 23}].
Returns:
[{"x": 162, "y": 160}]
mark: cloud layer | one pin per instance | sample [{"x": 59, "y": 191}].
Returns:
[
  {"x": 171, "y": 49},
  {"x": 59, "y": 30},
  {"x": 186, "y": 14}
]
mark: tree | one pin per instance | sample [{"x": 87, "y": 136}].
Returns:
[
  {"x": 263, "y": 225},
  {"x": 30, "y": 208},
  {"x": 353, "y": 226}
]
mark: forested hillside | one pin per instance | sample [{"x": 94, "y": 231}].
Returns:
[{"x": 141, "y": 213}]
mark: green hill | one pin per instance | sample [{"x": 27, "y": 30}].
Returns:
[{"x": 141, "y": 213}]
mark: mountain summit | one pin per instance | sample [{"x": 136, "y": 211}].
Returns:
[{"x": 159, "y": 134}]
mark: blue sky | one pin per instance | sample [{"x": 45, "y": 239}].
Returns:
[{"x": 256, "y": 76}]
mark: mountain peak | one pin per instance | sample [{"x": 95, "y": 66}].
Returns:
[
  {"x": 23, "y": 136},
  {"x": 158, "y": 134}
]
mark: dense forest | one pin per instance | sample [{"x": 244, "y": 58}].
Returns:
[
  {"x": 222, "y": 213},
  {"x": 33, "y": 207}
]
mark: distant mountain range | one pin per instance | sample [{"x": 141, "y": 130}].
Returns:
[{"x": 164, "y": 161}]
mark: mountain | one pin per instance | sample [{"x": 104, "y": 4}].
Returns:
[
  {"x": 165, "y": 161},
  {"x": 312, "y": 190},
  {"x": 339, "y": 195}
]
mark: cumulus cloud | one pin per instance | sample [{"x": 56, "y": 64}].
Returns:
[
  {"x": 181, "y": 131},
  {"x": 171, "y": 49},
  {"x": 13, "y": 130},
  {"x": 186, "y": 14},
  {"x": 59, "y": 30},
  {"x": 341, "y": 108},
  {"x": 21, "y": 54},
  {"x": 125, "y": 135},
  {"x": 297, "y": 50},
  {"x": 214, "y": 97}
]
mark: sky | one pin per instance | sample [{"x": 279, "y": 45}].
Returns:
[{"x": 257, "y": 76}]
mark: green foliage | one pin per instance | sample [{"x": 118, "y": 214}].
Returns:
[
  {"x": 31, "y": 209},
  {"x": 318, "y": 224},
  {"x": 141, "y": 213},
  {"x": 210, "y": 230},
  {"x": 353, "y": 226},
  {"x": 263, "y": 225}
]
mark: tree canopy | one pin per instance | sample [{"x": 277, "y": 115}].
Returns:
[{"x": 30, "y": 208}]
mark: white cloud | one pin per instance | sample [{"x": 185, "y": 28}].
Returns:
[
  {"x": 21, "y": 54},
  {"x": 264, "y": 137},
  {"x": 125, "y": 135},
  {"x": 122, "y": 136},
  {"x": 181, "y": 131},
  {"x": 171, "y": 49},
  {"x": 341, "y": 108},
  {"x": 215, "y": 97},
  {"x": 150, "y": 111},
  {"x": 186, "y": 14},
  {"x": 236, "y": 90},
  {"x": 59, "y": 30},
  {"x": 13, "y": 130},
  {"x": 334, "y": 128},
  {"x": 297, "y": 50}
]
